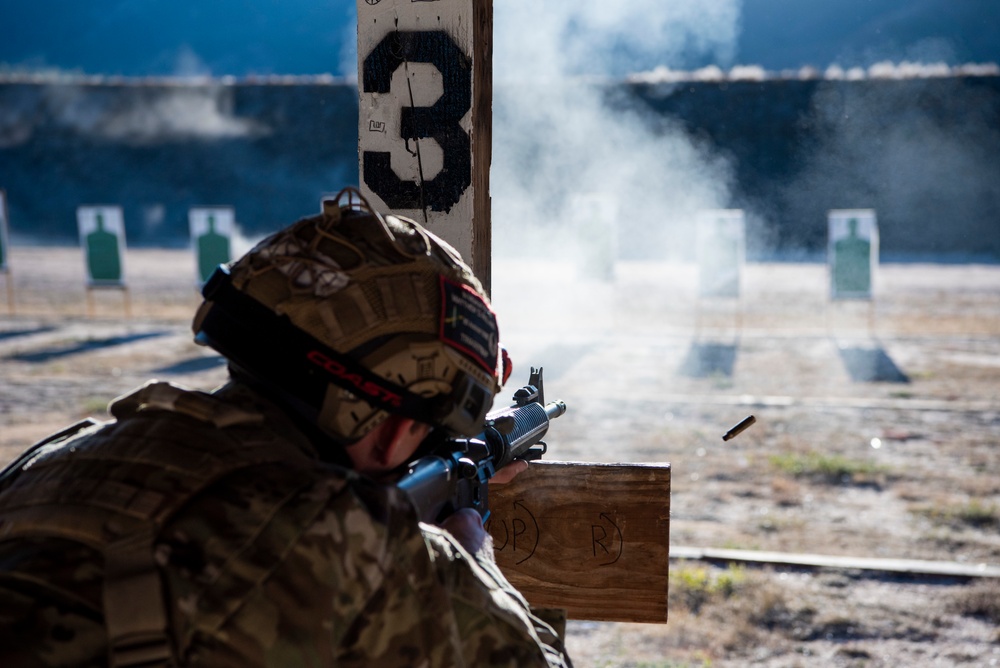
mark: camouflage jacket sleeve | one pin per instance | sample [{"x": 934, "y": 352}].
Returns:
[
  {"x": 347, "y": 577},
  {"x": 494, "y": 622},
  {"x": 440, "y": 606}
]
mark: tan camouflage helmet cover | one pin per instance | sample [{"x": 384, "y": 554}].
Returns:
[{"x": 370, "y": 293}]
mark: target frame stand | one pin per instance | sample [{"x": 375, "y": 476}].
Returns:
[{"x": 5, "y": 254}]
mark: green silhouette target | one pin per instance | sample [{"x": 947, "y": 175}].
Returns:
[
  {"x": 852, "y": 253},
  {"x": 102, "y": 235},
  {"x": 211, "y": 234},
  {"x": 721, "y": 252}
]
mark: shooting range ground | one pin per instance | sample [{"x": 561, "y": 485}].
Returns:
[{"x": 874, "y": 441}]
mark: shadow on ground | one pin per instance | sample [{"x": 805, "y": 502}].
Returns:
[
  {"x": 15, "y": 333},
  {"x": 78, "y": 347},
  {"x": 193, "y": 365},
  {"x": 706, "y": 360},
  {"x": 871, "y": 364}
]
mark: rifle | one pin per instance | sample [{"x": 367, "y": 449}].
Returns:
[{"x": 457, "y": 471}]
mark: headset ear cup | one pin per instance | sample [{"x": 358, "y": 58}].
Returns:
[
  {"x": 506, "y": 365},
  {"x": 466, "y": 408}
]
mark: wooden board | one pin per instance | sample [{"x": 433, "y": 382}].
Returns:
[
  {"x": 425, "y": 89},
  {"x": 590, "y": 538}
]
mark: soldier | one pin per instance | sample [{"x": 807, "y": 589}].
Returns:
[{"x": 257, "y": 524}]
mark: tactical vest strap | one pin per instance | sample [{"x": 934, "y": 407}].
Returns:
[
  {"x": 121, "y": 518},
  {"x": 134, "y": 609},
  {"x": 12, "y": 469},
  {"x": 134, "y": 604},
  {"x": 163, "y": 396}
]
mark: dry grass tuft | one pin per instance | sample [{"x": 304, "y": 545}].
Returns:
[
  {"x": 972, "y": 513},
  {"x": 980, "y": 600},
  {"x": 833, "y": 469}
]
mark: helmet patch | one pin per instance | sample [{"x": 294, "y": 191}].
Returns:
[{"x": 468, "y": 324}]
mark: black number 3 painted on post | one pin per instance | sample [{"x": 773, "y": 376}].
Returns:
[{"x": 440, "y": 122}]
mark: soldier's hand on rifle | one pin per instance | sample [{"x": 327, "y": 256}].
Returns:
[
  {"x": 509, "y": 472},
  {"x": 466, "y": 525}
]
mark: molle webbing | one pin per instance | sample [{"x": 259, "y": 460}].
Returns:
[{"x": 85, "y": 489}]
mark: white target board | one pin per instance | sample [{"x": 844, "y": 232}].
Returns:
[
  {"x": 212, "y": 229},
  {"x": 424, "y": 122},
  {"x": 4, "y": 237},
  {"x": 721, "y": 252},
  {"x": 594, "y": 220},
  {"x": 102, "y": 236},
  {"x": 852, "y": 253}
]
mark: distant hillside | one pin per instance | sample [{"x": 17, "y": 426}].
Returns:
[
  {"x": 788, "y": 34},
  {"x": 233, "y": 37},
  {"x": 171, "y": 37}
]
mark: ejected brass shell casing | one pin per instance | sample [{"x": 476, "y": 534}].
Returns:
[{"x": 740, "y": 428}]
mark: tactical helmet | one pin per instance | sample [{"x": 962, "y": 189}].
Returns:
[{"x": 351, "y": 316}]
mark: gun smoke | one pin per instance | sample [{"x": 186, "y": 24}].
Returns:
[
  {"x": 562, "y": 131},
  {"x": 560, "y": 134}
]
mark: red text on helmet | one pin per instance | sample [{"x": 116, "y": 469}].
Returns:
[{"x": 366, "y": 387}]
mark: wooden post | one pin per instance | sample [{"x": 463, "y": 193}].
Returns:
[
  {"x": 425, "y": 86},
  {"x": 592, "y": 539},
  {"x": 11, "y": 304},
  {"x": 5, "y": 253}
]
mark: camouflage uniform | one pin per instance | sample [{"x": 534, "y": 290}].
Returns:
[{"x": 203, "y": 530}]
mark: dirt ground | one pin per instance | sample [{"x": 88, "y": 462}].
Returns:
[{"x": 878, "y": 426}]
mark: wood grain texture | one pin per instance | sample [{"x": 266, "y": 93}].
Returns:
[
  {"x": 482, "y": 142},
  {"x": 590, "y": 538}
]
